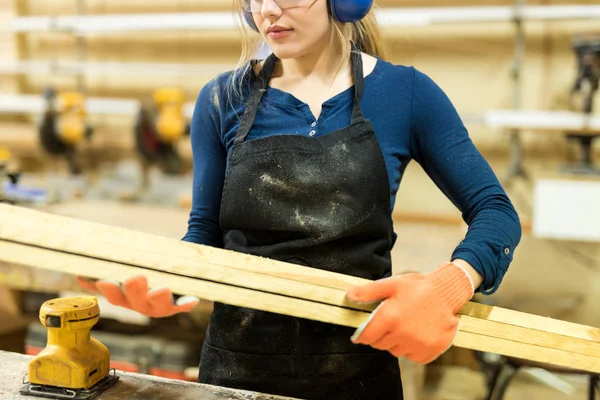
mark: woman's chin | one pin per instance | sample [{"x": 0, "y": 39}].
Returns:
[{"x": 285, "y": 51}]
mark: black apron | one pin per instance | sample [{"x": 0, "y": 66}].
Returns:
[{"x": 322, "y": 202}]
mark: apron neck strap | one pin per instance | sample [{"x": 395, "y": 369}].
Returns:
[
  {"x": 261, "y": 82},
  {"x": 359, "y": 85},
  {"x": 259, "y": 86}
]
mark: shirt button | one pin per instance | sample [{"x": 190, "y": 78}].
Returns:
[
  {"x": 507, "y": 251},
  {"x": 312, "y": 133},
  {"x": 314, "y": 124}
]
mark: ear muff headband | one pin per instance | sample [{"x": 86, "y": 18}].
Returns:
[
  {"x": 345, "y": 11},
  {"x": 249, "y": 20}
]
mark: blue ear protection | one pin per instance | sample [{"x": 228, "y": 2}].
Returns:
[
  {"x": 250, "y": 20},
  {"x": 341, "y": 10}
]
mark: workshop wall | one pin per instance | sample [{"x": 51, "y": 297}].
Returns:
[
  {"x": 471, "y": 62},
  {"x": 7, "y": 44}
]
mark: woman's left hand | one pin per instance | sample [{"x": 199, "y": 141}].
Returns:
[{"x": 417, "y": 318}]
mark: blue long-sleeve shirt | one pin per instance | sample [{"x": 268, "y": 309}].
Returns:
[{"x": 413, "y": 120}]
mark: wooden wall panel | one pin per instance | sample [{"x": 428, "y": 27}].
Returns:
[
  {"x": 471, "y": 62},
  {"x": 7, "y": 44}
]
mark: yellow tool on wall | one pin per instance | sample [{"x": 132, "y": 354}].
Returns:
[
  {"x": 8, "y": 166},
  {"x": 9, "y": 171},
  {"x": 73, "y": 365},
  {"x": 64, "y": 126},
  {"x": 159, "y": 127}
]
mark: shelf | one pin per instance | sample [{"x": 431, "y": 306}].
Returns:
[
  {"x": 542, "y": 120},
  {"x": 123, "y": 23},
  {"x": 34, "y": 104},
  {"x": 495, "y": 119},
  {"x": 113, "y": 68},
  {"x": 210, "y": 21},
  {"x": 396, "y": 17}
]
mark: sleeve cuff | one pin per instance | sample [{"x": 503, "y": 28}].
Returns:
[{"x": 492, "y": 272}]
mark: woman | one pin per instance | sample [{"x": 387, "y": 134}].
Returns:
[{"x": 299, "y": 158}]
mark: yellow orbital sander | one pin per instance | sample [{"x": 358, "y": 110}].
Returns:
[{"x": 73, "y": 365}]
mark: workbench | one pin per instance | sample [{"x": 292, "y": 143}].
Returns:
[{"x": 13, "y": 367}]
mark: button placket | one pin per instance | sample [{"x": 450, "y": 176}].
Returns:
[{"x": 313, "y": 131}]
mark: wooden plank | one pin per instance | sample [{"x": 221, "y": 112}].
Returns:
[
  {"x": 130, "y": 386},
  {"x": 32, "y": 223},
  {"x": 211, "y": 269},
  {"x": 511, "y": 348},
  {"x": 117, "y": 248},
  {"x": 531, "y": 321},
  {"x": 153, "y": 243},
  {"x": 100, "y": 269},
  {"x": 536, "y": 337}
]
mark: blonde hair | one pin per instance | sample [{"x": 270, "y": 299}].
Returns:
[{"x": 365, "y": 35}]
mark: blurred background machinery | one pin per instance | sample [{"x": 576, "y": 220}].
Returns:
[
  {"x": 583, "y": 96},
  {"x": 64, "y": 127},
  {"x": 159, "y": 128}
]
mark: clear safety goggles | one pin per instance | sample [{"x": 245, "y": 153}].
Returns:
[{"x": 256, "y": 5}]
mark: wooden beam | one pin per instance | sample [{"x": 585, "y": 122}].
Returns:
[
  {"x": 47, "y": 241},
  {"x": 33, "y": 226},
  {"x": 108, "y": 246},
  {"x": 16, "y": 219},
  {"x": 101, "y": 269},
  {"x": 516, "y": 349}
]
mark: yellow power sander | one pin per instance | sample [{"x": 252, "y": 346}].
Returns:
[{"x": 73, "y": 365}]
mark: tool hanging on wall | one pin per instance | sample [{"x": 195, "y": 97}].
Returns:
[
  {"x": 158, "y": 129},
  {"x": 587, "y": 51},
  {"x": 64, "y": 127},
  {"x": 8, "y": 166},
  {"x": 10, "y": 189},
  {"x": 73, "y": 365},
  {"x": 9, "y": 172}
]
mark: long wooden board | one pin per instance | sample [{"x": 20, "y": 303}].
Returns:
[
  {"x": 101, "y": 269},
  {"x": 14, "y": 218},
  {"x": 103, "y": 252}
]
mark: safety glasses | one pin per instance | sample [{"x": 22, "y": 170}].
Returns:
[{"x": 256, "y": 5}]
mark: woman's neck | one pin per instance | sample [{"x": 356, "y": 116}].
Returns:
[{"x": 322, "y": 64}]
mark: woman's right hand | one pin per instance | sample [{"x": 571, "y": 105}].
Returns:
[{"x": 134, "y": 294}]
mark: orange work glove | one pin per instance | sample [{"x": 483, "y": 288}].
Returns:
[
  {"x": 134, "y": 294},
  {"x": 417, "y": 318}
]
